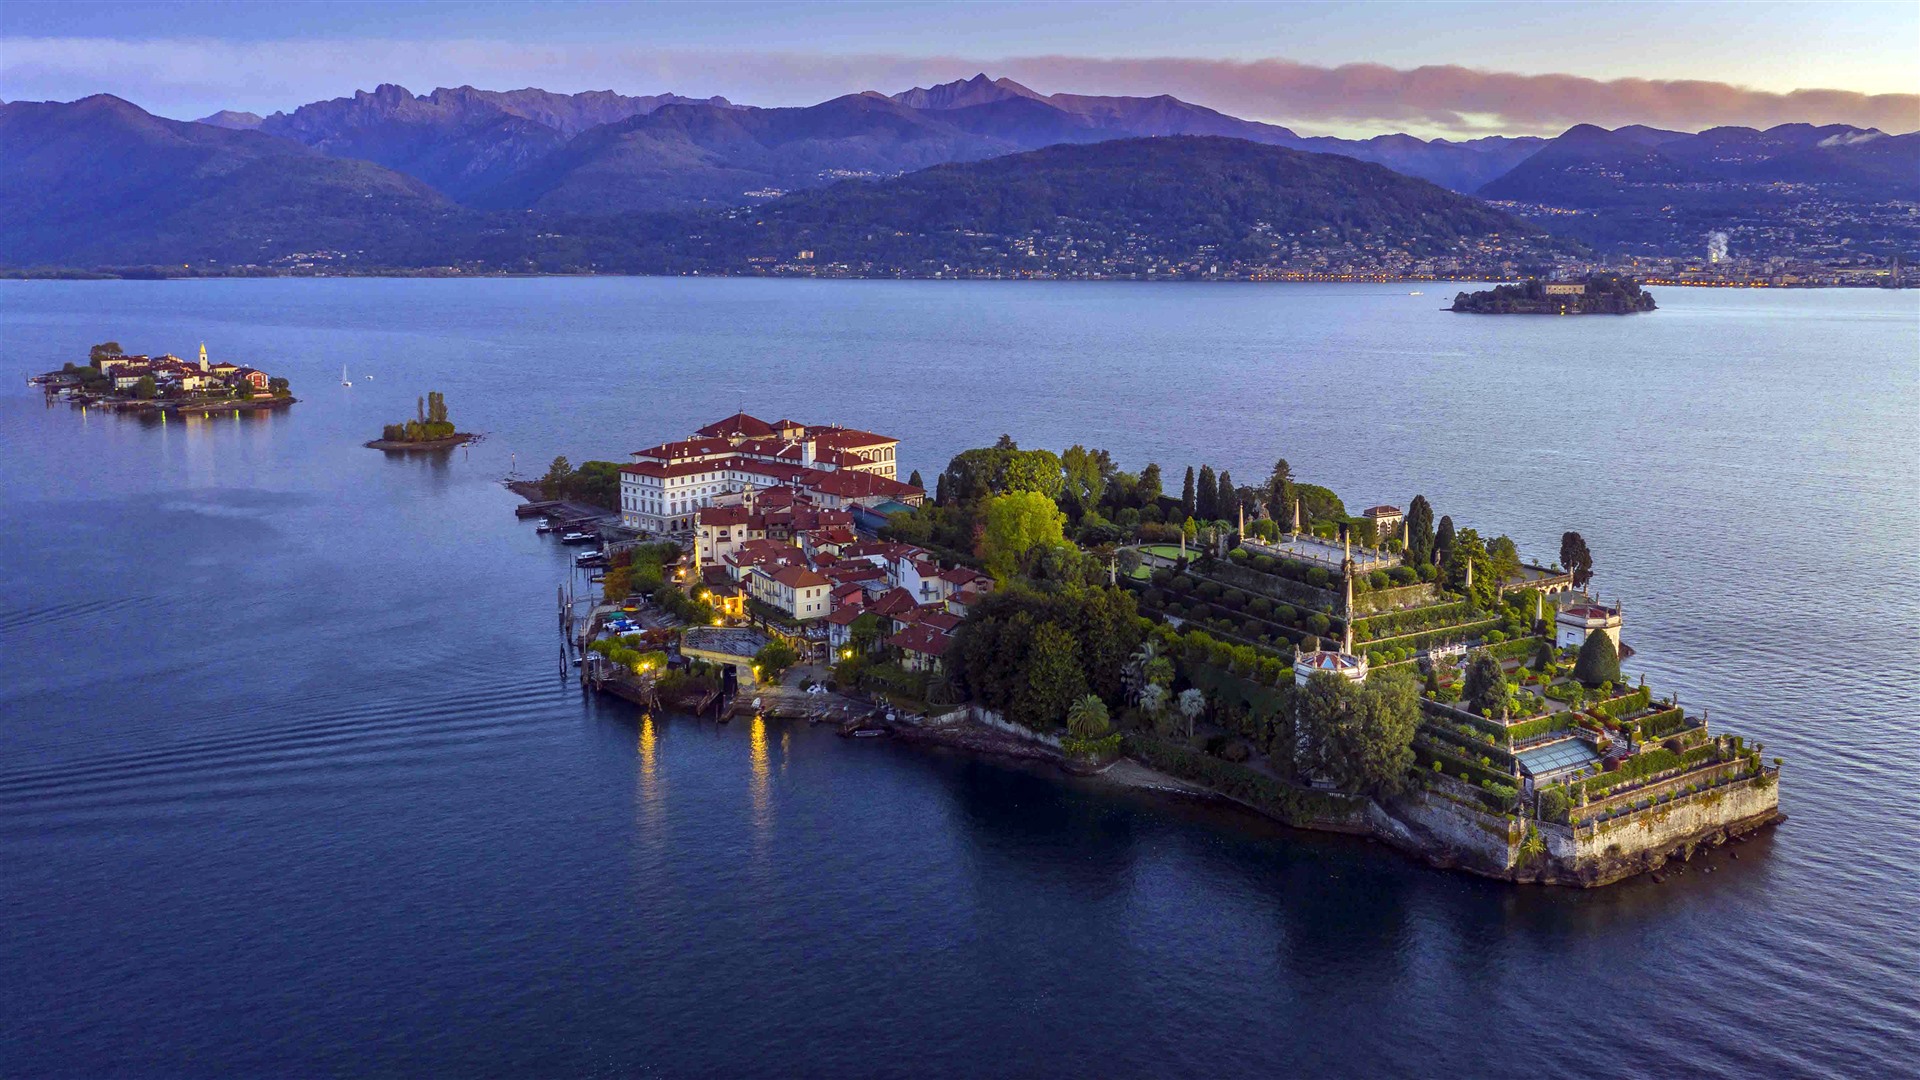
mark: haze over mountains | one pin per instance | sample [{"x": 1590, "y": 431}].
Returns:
[{"x": 100, "y": 180}]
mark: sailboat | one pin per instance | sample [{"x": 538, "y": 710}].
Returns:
[{"x": 344, "y": 381}]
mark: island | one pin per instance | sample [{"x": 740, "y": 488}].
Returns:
[
  {"x": 1386, "y": 673},
  {"x": 1599, "y": 294},
  {"x": 428, "y": 430},
  {"x": 121, "y": 382}
]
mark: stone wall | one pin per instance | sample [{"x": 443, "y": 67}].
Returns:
[
  {"x": 1450, "y": 834},
  {"x": 1645, "y": 841}
]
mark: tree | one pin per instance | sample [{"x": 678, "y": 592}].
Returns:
[
  {"x": 1376, "y": 748},
  {"x": 555, "y": 482},
  {"x": 1280, "y": 493},
  {"x": 1054, "y": 680},
  {"x": 1599, "y": 661},
  {"x": 1206, "y": 499},
  {"x": 1193, "y": 705},
  {"x": 104, "y": 350},
  {"x": 1443, "y": 541},
  {"x": 1016, "y": 522},
  {"x": 1035, "y": 470},
  {"x": 1148, "y": 490},
  {"x": 1087, "y": 718},
  {"x": 146, "y": 388},
  {"x": 1227, "y": 502},
  {"x": 242, "y": 389},
  {"x": 865, "y": 632},
  {"x": 1503, "y": 558},
  {"x": 773, "y": 660},
  {"x": 1466, "y": 551},
  {"x": 1186, "y": 495},
  {"x": 278, "y": 386},
  {"x": 1153, "y": 699},
  {"x": 436, "y": 407},
  {"x": 1419, "y": 530},
  {"x": 1085, "y": 472},
  {"x": 915, "y": 480},
  {"x": 1485, "y": 686},
  {"x": 1575, "y": 557}
]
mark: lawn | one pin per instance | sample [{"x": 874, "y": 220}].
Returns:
[{"x": 1165, "y": 551}]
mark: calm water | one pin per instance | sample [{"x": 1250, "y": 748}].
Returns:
[{"x": 291, "y": 782}]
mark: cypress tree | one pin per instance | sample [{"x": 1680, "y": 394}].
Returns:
[
  {"x": 1443, "y": 540},
  {"x": 915, "y": 479},
  {"x": 1419, "y": 529},
  {"x": 1280, "y": 493},
  {"x": 1599, "y": 661},
  {"x": 1206, "y": 496},
  {"x": 1186, "y": 495},
  {"x": 1228, "y": 501}
]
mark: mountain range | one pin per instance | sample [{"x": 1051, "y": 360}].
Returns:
[
  {"x": 100, "y": 180},
  {"x": 604, "y": 152}
]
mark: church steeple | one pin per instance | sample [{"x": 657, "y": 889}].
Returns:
[{"x": 203, "y": 356}]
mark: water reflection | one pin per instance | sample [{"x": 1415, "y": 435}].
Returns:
[{"x": 760, "y": 787}]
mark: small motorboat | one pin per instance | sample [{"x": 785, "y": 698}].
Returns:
[
  {"x": 344, "y": 381},
  {"x": 576, "y": 537},
  {"x": 544, "y": 527}
]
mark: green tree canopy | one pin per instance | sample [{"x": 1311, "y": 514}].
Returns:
[
  {"x": 774, "y": 658},
  {"x": 1419, "y": 530},
  {"x": 1360, "y": 737},
  {"x": 103, "y": 350},
  {"x": 1280, "y": 493},
  {"x": 1206, "y": 498},
  {"x": 1599, "y": 660},
  {"x": 1148, "y": 490},
  {"x": 1087, "y": 718},
  {"x": 1485, "y": 686},
  {"x": 1015, "y": 522},
  {"x": 1054, "y": 679},
  {"x": 1575, "y": 558},
  {"x": 1443, "y": 540}
]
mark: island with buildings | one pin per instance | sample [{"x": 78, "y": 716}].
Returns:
[
  {"x": 1599, "y": 294},
  {"x": 428, "y": 430},
  {"x": 113, "y": 379},
  {"x": 1382, "y": 673}
]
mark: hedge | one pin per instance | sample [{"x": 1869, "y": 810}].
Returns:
[
  {"x": 1644, "y": 764},
  {"x": 1454, "y": 765},
  {"x": 1661, "y": 724},
  {"x": 1556, "y": 722},
  {"x": 1625, "y": 704},
  {"x": 1293, "y": 805},
  {"x": 1497, "y": 753},
  {"x": 1411, "y": 620}
]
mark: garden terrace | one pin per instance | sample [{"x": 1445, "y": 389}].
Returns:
[
  {"x": 1316, "y": 586},
  {"x": 1670, "y": 789},
  {"x": 1327, "y": 554},
  {"x": 1211, "y": 603}
]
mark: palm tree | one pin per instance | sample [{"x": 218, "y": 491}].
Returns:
[
  {"x": 1192, "y": 704},
  {"x": 943, "y": 688},
  {"x": 1153, "y": 698},
  {"x": 1135, "y": 675},
  {"x": 1087, "y": 718}
]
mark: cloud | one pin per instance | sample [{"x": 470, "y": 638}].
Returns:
[{"x": 189, "y": 76}]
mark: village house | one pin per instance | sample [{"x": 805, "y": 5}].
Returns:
[{"x": 794, "y": 590}]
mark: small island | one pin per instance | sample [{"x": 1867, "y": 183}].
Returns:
[
  {"x": 122, "y": 382},
  {"x": 1600, "y": 294},
  {"x": 1384, "y": 674},
  {"x": 428, "y": 430}
]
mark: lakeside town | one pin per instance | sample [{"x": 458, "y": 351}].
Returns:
[
  {"x": 1385, "y": 673},
  {"x": 122, "y": 381}
]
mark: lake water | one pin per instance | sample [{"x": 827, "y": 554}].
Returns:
[{"x": 292, "y": 782}]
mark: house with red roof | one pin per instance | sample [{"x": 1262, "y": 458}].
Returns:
[{"x": 794, "y": 590}]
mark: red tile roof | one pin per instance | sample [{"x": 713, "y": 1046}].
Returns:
[
  {"x": 798, "y": 577},
  {"x": 739, "y": 424},
  {"x": 923, "y": 639}
]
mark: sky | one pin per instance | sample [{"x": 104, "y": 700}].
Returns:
[{"x": 1435, "y": 68}]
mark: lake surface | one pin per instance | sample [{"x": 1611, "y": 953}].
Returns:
[{"x": 292, "y": 781}]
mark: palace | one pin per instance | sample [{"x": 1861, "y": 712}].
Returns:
[{"x": 838, "y": 468}]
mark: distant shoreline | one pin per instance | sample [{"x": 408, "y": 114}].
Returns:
[{"x": 444, "y": 275}]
